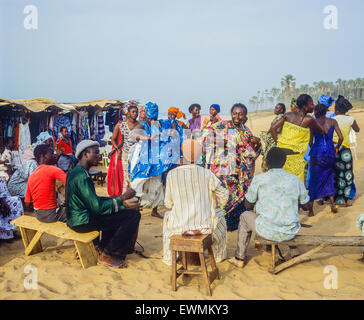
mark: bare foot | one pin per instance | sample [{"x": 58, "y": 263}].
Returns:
[
  {"x": 320, "y": 202},
  {"x": 109, "y": 261},
  {"x": 333, "y": 208},
  {"x": 361, "y": 259},
  {"x": 310, "y": 213}
]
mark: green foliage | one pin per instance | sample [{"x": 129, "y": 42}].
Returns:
[{"x": 350, "y": 89}]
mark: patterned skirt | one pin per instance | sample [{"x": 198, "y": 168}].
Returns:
[{"x": 343, "y": 176}]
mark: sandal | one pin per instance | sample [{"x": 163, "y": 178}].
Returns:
[{"x": 118, "y": 265}]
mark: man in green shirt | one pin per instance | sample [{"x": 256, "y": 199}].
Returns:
[{"x": 88, "y": 212}]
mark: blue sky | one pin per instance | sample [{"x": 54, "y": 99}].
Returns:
[{"x": 174, "y": 52}]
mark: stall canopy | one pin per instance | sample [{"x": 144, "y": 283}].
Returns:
[
  {"x": 41, "y": 104},
  {"x": 35, "y": 105}
]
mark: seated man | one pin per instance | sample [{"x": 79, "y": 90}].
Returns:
[
  {"x": 278, "y": 196},
  {"x": 88, "y": 212},
  {"x": 41, "y": 187},
  {"x": 191, "y": 194}
]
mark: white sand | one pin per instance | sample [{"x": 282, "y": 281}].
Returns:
[{"x": 60, "y": 275}]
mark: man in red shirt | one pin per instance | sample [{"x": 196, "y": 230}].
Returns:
[
  {"x": 64, "y": 145},
  {"x": 41, "y": 188}
]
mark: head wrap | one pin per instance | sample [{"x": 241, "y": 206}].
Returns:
[
  {"x": 294, "y": 102},
  {"x": 43, "y": 137},
  {"x": 191, "y": 150},
  {"x": 84, "y": 144},
  {"x": 179, "y": 114},
  {"x": 216, "y": 107},
  {"x": 326, "y": 101},
  {"x": 142, "y": 113},
  {"x": 152, "y": 110}
]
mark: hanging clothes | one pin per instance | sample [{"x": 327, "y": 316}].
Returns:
[
  {"x": 62, "y": 122},
  {"x": 24, "y": 137},
  {"x": 100, "y": 125}
]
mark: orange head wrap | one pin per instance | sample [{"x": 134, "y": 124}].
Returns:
[{"x": 179, "y": 114}]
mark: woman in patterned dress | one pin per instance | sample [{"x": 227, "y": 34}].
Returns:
[
  {"x": 234, "y": 161},
  {"x": 343, "y": 166},
  {"x": 118, "y": 178},
  {"x": 10, "y": 209}
]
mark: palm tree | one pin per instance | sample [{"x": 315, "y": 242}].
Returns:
[{"x": 288, "y": 84}]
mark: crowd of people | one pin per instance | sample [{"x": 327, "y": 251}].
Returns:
[{"x": 202, "y": 170}]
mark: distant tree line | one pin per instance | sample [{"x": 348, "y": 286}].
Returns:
[{"x": 350, "y": 89}]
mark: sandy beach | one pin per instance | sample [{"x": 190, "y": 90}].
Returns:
[{"x": 60, "y": 275}]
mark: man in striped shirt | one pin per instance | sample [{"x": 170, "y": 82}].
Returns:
[{"x": 192, "y": 193}]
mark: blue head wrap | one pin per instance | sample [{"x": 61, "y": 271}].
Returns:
[
  {"x": 43, "y": 136},
  {"x": 152, "y": 110},
  {"x": 216, "y": 107},
  {"x": 326, "y": 100}
]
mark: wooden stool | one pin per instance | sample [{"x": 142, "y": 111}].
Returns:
[
  {"x": 198, "y": 244},
  {"x": 100, "y": 178}
]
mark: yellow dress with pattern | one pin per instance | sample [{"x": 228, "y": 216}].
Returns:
[{"x": 295, "y": 138}]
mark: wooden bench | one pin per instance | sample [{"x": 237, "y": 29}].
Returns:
[
  {"x": 320, "y": 242},
  {"x": 198, "y": 244},
  {"x": 31, "y": 231}
]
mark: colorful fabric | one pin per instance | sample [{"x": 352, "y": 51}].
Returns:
[
  {"x": 149, "y": 190},
  {"x": 152, "y": 158},
  {"x": 295, "y": 138},
  {"x": 277, "y": 195},
  {"x": 294, "y": 102},
  {"x": 321, "y": 182},
  {"x": 41, "y": 188},
  {"x": 344, "y": 176},
  {"x": 326, "y": 100},
  {"x": 66, "y": 145},
  {"x": 179, "y": 114},
  {"x": 41, "y": 138},
  {"x": 345, "y": 123},
  {"x": 100, "y": 125},
  {"x": 62, "y": 122},
  {"x": 321, "y": 176},
  {"x": 268, "y": 141},
  {"x": 16, "y": 210},
  {"x": 234, "y": 164},
  {"x": 129, "y": 141},
  {"x": 216, "y": 107},
  {"x": 115, "y": 173},
  {"x": 17, "y": 184},
  {"x": 191, "y": 193},
  {"x": 152, "y": 110},
  {"x": 195, "y": 126},
  {"x": 142, "y": 116}
]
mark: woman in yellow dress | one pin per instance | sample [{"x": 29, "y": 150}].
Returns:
[{"x": 295, "y": 134}]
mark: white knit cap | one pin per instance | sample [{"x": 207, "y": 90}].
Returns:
[{"x": 84, "y": 144}]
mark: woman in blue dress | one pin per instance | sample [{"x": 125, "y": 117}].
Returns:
[
  {"x": 158, "y": 150},
  {"x": 322, "y": 158}
]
